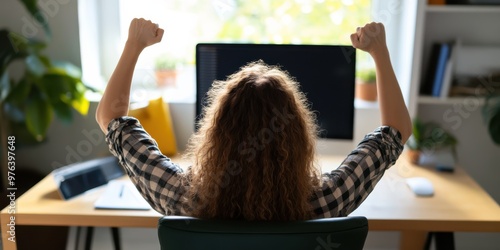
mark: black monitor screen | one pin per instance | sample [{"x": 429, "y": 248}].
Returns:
[{"x": 326, "y": 74}]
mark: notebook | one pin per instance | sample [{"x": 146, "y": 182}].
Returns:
[{"x": 121, "y": 194}]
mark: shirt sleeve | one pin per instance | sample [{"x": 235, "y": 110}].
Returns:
[
  {"x": 157, "y": 178},
  {"x": 345, "y": 188}
]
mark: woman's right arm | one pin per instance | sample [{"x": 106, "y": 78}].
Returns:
[
  {"x": 346, "y": 187},
  {"x": 371, "y": 38}
]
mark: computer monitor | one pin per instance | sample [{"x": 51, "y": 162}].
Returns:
[{"x": 326, "y": 74}]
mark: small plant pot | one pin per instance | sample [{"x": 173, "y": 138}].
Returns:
[
  {"x": 166, "y": 78},
  {"x": 366, "y": 91},
  {"x": 414, "y": 156}
]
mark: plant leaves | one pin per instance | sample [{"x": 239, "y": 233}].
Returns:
[
  {"x": 417, "y": 128},
  {"x": 430, "y": 136},
  {"x": 57, "y": 88},
  {"x": 412, "y": 144},
  {"x": 77, "y": 96},
  {"x": 35, "y": 65},
  {"x": 38, "y": 115},
  {"x": 81, "y": 105},
  {"x": 63, "y": 112},
  {"x": 494, "y": 128},
  {"x": 12, "y": 47},
  {"x": 31, "y": 6},
  {"x": 65, "y": 92},
  {"x": 19, "y": 92},
  {"x": 4, "y": 86},
  {"x": 23, "y": 136},
  {"x": 491, "y": 116},
  {"x": 491, "y": 107},
  {"x": 35, "y": 47},
  {"x": 7, "y": 51},
  {"x": 14, "y": 113},
  {"x": 67, "y": 68}
]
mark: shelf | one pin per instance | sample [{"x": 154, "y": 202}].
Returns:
[
  {"x": 469, "y": 100},
  {"x": 464, "y": 9}
]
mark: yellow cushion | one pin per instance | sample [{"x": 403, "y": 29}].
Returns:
[{"x": 156, "y": 120}]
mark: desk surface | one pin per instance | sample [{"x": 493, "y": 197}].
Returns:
[{"x": 459, "y": 204}]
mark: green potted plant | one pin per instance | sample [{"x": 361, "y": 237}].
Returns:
[
  {"x": 166, "y": 70},
  {"x": 429, "y": 136},
  {"x": 491, "y": 115},
  {"x": 366, "y": 87},
  {"x": 46, "y": 88}
]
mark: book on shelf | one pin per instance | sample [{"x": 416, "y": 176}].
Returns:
[
  {"x": 444, "y": 53},
  {"x": 440, "y": 70},
  {"x": 473, "y": 85},
  {"x": 450, "y": 69},
  {"x": 426, "y": 85},
  {"x": 445, "y": 85}
]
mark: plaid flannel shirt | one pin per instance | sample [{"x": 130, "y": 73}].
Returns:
[{"x": 160, "y": 181}]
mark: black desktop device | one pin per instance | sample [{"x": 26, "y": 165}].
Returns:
[
  {"x": 326, "y": 74},
  {"x": 77, "y": 178}
]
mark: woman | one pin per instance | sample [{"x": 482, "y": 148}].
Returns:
[{"x": 254, "y": 152}]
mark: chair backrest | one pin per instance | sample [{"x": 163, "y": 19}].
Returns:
[{"x": 178, "y": 232}]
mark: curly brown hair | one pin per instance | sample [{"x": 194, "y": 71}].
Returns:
[{"x": 254, "y": 151}]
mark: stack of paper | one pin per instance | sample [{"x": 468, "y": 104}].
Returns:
[{"x": 121, "y": 194}]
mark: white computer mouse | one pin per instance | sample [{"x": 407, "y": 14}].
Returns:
[{"x": 420, "y": 186}]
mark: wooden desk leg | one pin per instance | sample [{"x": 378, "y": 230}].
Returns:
[
  {"x": 412, "y": 240},
  {"x": 6, "y": 243}
]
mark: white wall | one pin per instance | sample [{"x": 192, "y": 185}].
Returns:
[{"x": 62, "y": 18}]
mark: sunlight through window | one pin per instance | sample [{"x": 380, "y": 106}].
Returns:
[{"x": 188, "y": 22}]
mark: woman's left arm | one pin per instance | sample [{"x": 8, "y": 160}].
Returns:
[{"x": 115, "y": 101}]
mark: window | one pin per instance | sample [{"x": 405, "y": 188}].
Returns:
[{"x": 104, "y": 28}]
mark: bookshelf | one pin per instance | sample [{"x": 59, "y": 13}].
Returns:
[
  {"x": 429, "y": 100},
  {"x": 476, "y": 26},
  {"x": 477, "y": 29},
  {"x": 463, "y": 9}
]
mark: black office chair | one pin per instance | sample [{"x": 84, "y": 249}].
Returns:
[{"x": 178, "y": 232}]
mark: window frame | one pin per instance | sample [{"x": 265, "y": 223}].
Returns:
[{"x": 99, "y": 19}]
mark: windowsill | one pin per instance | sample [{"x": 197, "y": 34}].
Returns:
[
  {"x": 362, "y": 104},
  {"x": 96, "y": 97},
  {"x": 144, "y": 88},
  {"x": 358, "y": 104}
]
